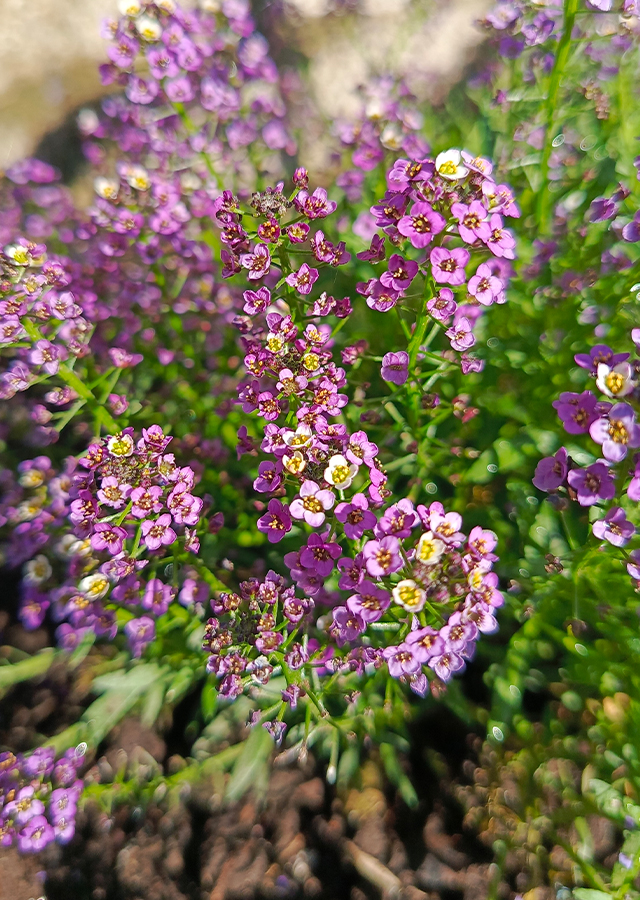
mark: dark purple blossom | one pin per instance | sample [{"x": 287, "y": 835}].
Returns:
[
  {"x": 551, "y": 471},
  {"x": 615, "y": 527},
  {"x": 395, "y": 367}
]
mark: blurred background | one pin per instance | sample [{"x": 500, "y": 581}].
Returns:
[{"x": 51, "y": 50}]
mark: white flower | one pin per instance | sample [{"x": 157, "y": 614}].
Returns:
[
  {"x": 449, "y": 165},
  {"x": 391, "y": 137},
  {"x": 429, "y": 549},
  {"x": 149, "y": 29},
  {"x": 94, "y": 587},
  {"x": 121, "y": 445},
  {"x": 298, "y": 438},
  {"x": 107, "y": 188},
  {"x": 295, "y": 463},
  {"x": 129, "y": 8},
  {"x": 138, "y": 178},
  {"x": 32, "y": 478},
  {"x": 37, "y": 570},
  {"x": 340, "y": 473},
  {"x": 80, "y": 548},
  {"x": 409, "y": 595},
  {"x": 616, "y": 381}
]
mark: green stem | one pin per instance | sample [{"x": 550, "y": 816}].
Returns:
[{"x": 562, "y": 55}]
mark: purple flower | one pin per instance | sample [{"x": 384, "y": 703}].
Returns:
[
  {"x": 157, "y": 597},
  {"x": 446, "y": 665},
  {"x": 316, "y": 205},
  {"x": 158, "y": 533},
  {"x": 501, "y": 242},
  {"x": 140, "y": 632},
  {"x": 443, "y": 306},
  {"x": 400, "y": 274},
  {"x": 312, "y": 504},
  {"x": 421, "y": 225},
  {"x": 319, "y": 555},
  {"x": 447, "y": 266},
  {"x": 35, "y": 835},
  {"x": 461, "y": 334},
  {"x": 257, "y": 301},
  {"x": 577, "y": 411},
  {"x": 355, "y": 516},
  {"x": 425, "y": 643},
  {"x": 269, "y": 477},
  {"x": 395, "y": 367},
  {"x": 258, "y": 263},
  {"x": 108, "y": 537},
  {"x": 633, "y": 565},
  {"x": 370, "y": 602},
  {"x": 382, "y": 557},
  {"x": 484, "y": 286},
  {"x": 276, "y": 522},
  {"x": 47, "y": 355},
  {"x": 401, "y": 660},
  {"x": 24, "y": 807},
  {"x": 599, "y": 354},
  {"x": 303, "y": 280},
  {"x": 551, "y": 471},
  {"x": 347, "y": 625},
  {"x": 616, "y": 432},
  {"x": 631, "y": 231},
  {"x": 594, "y": 483},
  {"x": 472, "y": 221},
  {"x": 615, "y": 527}
]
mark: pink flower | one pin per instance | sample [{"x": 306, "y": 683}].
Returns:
[
  {"x": 312, "y": 504},
  {"x": 158, "y": 533},
  {"x": 447, "y": 266}
]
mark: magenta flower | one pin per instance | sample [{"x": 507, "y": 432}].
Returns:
[
  {"x": 447, "y": 266},
  {"x": 616, "y": 432},
  {"x": 592, "y": 484},
  {"x": 158, "y": 533},
  {"x": 484, "y": 286},
  {"x": 633, "y": 565},
  {"x": 157, "y": 597},
  {"x": 24, "y": 806},
  {"x": 347, "y": 625},
  {"x": 145, "y": 500},
  {"x": 443, "y": 306},
  {"x": 600, "y": 354},
  {"x": 446, "y": 665},
  {"x": 382, "y": 557},
  {"x": 400, "y": 274},
  {"x": 472, "y": 221},
  {"x": 258, "y": 263},
  {"x": 395, "y": 367},
  {"x": 140, "y": 632},
  {"x": 360, "y": 449},
  {"x": 355, "y": 516},
  {"x": 312, "y": 504},
  {"x": 303, "y": 280},
  {"x": 615, "y": 527},
  {"x": 578, "y": 411},
  {"x": 316, "y": 205},
  {"x": 370, "y": 602},
  {"x": 269, "y": 477},
  {"x": 421, "y": 225},
  {"x": 319, "y": 555},
  {"x": 257, "y": 301},
  {"x": 461, "y": 334},
  {"x": 47, "y": 355},
  {"x": 401, "y": 660},
  {"x": 501, "y": 242},
  {"x": 551, "y": 471},
  {"x": 276, "y": 522},
  {"x": 425, "y": 643},
  {"x": 35, "y": 835},
  {"x": 108, "y": 537}
]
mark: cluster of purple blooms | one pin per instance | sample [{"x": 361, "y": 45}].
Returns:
[
  {"x": 414, "y": 577},
  {"x": 41, "y": 323},
  {"x": 106, "y": 522},
  {"x": 208, "y": 73},
  {"x": 612, "y": 424},
  {"x": 38, "y": 798}
]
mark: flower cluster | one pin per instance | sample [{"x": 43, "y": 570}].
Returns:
[
  {"x": 611, "y": 424},
  {"x": 107, "y": 522},
  {"x": 41, "y": 322},
  {"x": 38, "y": 798},
  {"x": 420, "y": 593}
]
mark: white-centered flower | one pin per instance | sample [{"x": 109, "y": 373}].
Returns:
[
  {"x": 409, "y": 595},
  {"x": 298, "y": 438},
  {"x": 121, "y": 445},
  {"x": 149, "y": 29},
  {"x": 430, "y": 549},
  {"x": 94, "y": 586},
  {"x": 131, "y": 8},
  {"x": 340, "y": 472},
  {"x": 616, "y": 381},
  {"x": 37, "y": 570},
  {"x": 449, "y": 165},
  {"x": 107, "y": 188}
]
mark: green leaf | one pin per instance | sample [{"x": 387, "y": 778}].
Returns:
[
  {"x": 14, "y": 673},
  {"x": 590, "y": 894},
  {"x": 397, "y": 776},
  {"x": 251, "y": 767}
]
